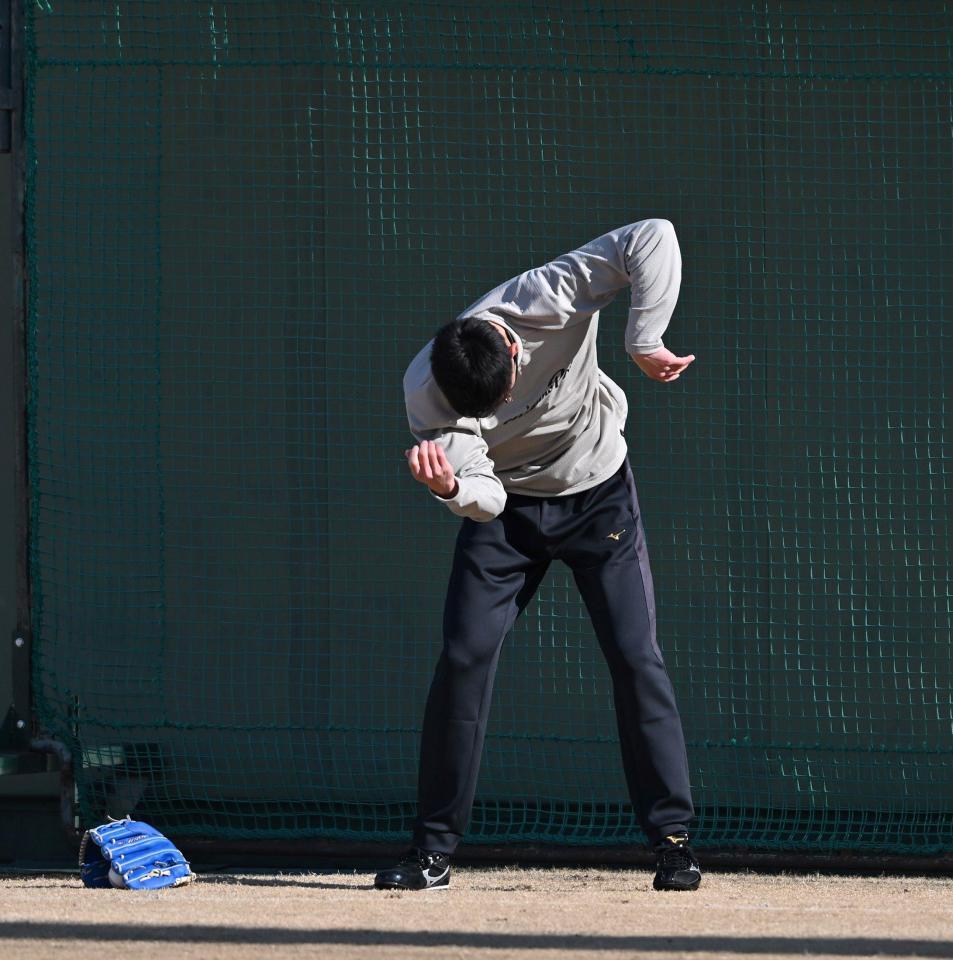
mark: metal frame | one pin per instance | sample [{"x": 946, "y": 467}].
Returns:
[
  {"x": 12, "y": 103},
  {"x": 352, "y": 855},
  {"x": 9, "y": 100}
]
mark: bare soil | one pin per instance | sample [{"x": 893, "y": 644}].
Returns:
[{"x": 499, "y": 913}]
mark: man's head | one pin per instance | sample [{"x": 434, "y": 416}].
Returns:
[{"x": 474, "y": 364}]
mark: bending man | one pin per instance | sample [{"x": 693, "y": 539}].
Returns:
[{"x": 521, "y": 434}]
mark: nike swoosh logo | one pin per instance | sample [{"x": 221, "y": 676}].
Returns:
[
  {"x": 615, "y": 536},
  {"x": 432, "y": 880}
]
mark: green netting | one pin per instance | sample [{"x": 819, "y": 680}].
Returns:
[{"x": 245, "y": 218}]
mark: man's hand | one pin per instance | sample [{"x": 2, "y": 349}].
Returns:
[
  {"x": 428, "y": 464},
  {"x": 663, "y": 365}
]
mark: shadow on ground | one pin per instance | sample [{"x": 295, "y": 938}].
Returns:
[{"x": 837, "y": 946}]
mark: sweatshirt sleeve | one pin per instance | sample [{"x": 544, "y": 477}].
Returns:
[
  {"x": 480, "y": 496},
  {"x": 642, "y": 256}
]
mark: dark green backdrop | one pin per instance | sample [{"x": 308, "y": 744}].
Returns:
[{"x": 245, "y": 218}]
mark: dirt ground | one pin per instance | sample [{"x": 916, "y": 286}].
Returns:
[{"x": 499, "y": 913}]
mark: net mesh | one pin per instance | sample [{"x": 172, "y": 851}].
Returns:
[{"x": 243, "y": 221}]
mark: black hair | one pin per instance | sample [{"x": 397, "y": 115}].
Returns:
[{"x": 472, "y": 366}]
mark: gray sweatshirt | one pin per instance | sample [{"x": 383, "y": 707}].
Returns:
[{"x": 562, "y": 431}]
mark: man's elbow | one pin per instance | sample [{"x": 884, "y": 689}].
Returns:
[
  {"x": 489, "y": 504},
  {"x": 661, "y": 226},
  {"x": 654, "y": 231},
  {"x": 652, "y": 238},
  {"x": 490, "y": 510},
  {"x": 475, "y": 500}
]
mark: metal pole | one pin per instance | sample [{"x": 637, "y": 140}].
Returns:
[{"x": 20, "y": 648}]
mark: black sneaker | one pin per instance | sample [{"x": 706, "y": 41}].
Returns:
[
  {"x": 675, "y": 865},
  {"x": 419, "y": 870}
]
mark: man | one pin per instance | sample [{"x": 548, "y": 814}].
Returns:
[{"x": 520, "y": 433}]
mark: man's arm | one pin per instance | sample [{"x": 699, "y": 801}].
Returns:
[
  {"x": 450, "y": 458},
  {"x": 455, "y": 468},
  {"x": 642, "y": 256}
]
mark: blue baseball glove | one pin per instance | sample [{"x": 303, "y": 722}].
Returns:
[{"x": 131, "y": 855}]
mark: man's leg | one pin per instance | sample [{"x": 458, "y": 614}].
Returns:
[
  {"x": 609, "y": 560},
  {"x": 497, "y": 569}
]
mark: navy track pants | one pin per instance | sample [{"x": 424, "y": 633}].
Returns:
[{"x": 497, "y": 567}]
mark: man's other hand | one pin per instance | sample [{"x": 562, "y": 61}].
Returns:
[
  {"x": 663, "y": 365},
  {"x": 428, "y": 464}
]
